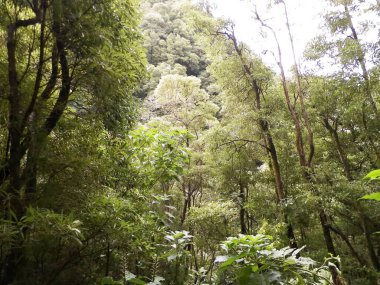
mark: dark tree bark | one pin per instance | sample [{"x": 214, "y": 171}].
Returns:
[
  {"x": 375, "y": 260},
  {"x": 341, "y": 153},
  {"x": 349, "y": 245},
  {"x": 242, "y": 212},
  {"x": 25, "y": 135},
  {"x": 326, "y": 233}
]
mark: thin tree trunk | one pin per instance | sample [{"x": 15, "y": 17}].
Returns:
[
  {"x": 326, "y": 232},
  {"x": 367, "y": 84},
  {"x": 186, "y": 203},
  {"x": 305, "y": 116},
  {"x": 243, "y": 226},
  {"x": 341, "y": 153},
  {"x": 14, "y": 162},
  {"x": 349, "y": 245},
  {"x": 306, "y": 164},
  {"x": 371, "y": 250},
  {"x": 108, "y": 258},
  {"x": 264, "y": 127},
  {"x": 15, "y": 209},
  {"x": 361, "y": 59}
]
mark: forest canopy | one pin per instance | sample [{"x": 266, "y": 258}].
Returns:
[{"x": 142, "y": 142}]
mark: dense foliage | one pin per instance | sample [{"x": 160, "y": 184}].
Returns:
[{"x": 142, "y": 143}]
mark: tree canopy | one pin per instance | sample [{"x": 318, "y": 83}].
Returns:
[{"x": 142, "y": 142}]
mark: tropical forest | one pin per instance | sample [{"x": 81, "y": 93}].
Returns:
[{"x": 160, "y": 142}]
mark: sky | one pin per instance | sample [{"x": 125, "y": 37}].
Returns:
[{"x": 304, "y": 16}]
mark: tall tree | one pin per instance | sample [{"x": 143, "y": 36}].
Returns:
[
  {"x": 52, "y": 50},
  {"x": 181, "y": 101},
  {"x": 255, "y": 80}
]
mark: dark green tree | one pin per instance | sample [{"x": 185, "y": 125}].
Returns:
[{"x": 53, "y": 50}]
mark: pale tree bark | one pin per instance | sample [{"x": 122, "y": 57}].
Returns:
[
  {"x": 301, "y": 95},
  {"x": 361, "y": 60},
  {"x": 265, "y": 131},
  {"x": 305, "y": 163},
  {"x": 360, "y": 57}
]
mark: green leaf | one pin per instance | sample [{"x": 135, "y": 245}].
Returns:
[
  {"x": 136, "y": 281},
  {"x": 373, "y": 175},
  {"x": 301, "y": 281},
  {"x": 244, "y": 275},
  {"x": 255, "y": 268},
  {"x": 228, "y": 262},
  {"x": 374, "y": 196}
]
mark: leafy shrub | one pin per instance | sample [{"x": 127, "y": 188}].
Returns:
[{"x": 254, "y": 260}]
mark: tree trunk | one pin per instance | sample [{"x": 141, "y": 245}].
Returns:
[
  {"x": 306, "y": 164},
  {"x": 371, "y": 250},
  {"x": 11, "y": 265},
  {"x": 243, "y": 226},
  {"x": 21, "y": 174},
  {"x": 186, "y": 203},
  {"x": 326, "y": 233},
  {"x": 305, "y": 115},
  {"x": 348, "y": 243},
  {"x": 367, "y": 84},
  {"x": 361, "y": 59},
  {"x": 270, "y": 147},
  {"x": 341, "y": 153}
]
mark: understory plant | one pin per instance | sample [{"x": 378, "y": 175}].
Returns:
[{"x": 254, "y": 260}]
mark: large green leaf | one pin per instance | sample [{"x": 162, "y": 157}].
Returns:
[
  {"x": 373, "y": 175},
  {"x": 231, "y": 260},
  {"x": 373, "y": 196}
]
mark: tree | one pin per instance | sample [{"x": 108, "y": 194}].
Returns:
[
  {"x": 52, "y": 50},
  {"x": 299, "y": 118},
  {"x": 181, "y": 101},
  {"x": 171, "y": 43},
  {"x": 354, "y": 55},
  {"x": 252, "y": 87}
]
